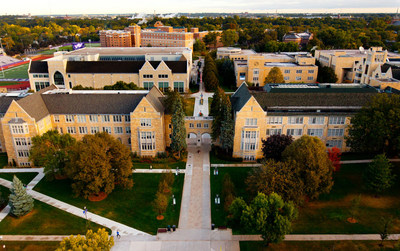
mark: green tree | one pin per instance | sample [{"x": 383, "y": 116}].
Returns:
[
  {"x": 97, "y": 163},
  {"x": 20, "y": 201},
  {"x": 199, "y": 46},
  {"x": 178, "y": 139},
  {"x": 160, "y": 203},
  {"x": 121, "y": 85},
  {"x": 92, "y": 241},
  {"x": 226, "y": 71},
  {"x": 236, "y": 210},
  {"x": 274, "y": 145},
  {"x": 274, "y": 76},
  {"x": 326, "y": 75},
  {"x": 51, "y": 151},
  {"x": 227, "y": 125},
  {"x": 229, "y": 37},
  {"x": 385, "y": 228},
  {"x": 270, "y": 216},
  {"x": 314, "y": 167},
  {"x": 279, "y": 177},
  {"x": 211, "y": 39},
  {"x": 378, "y": 175},
  {"x": 376, "y": 128},
  {"x": 216, "y": 102}
]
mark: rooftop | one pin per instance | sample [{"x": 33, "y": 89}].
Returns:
[{"x": 129, "y": 50}]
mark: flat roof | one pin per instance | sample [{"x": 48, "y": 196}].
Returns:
[{"x": 129, "y": 50}]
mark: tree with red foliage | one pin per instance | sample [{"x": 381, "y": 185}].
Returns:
[{"x": 334, "y": 154}]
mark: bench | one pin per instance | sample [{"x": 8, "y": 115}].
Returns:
[
  {"x": 222, "y": 228},
  {"x": 161, "y": 230}
]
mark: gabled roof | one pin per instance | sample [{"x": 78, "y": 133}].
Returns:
[
  {"x": 155, "y": 97},
  {"x": 34, "y": 105},
  {"x": 121, "y": 66},
  {"x": 395, "y": 70},
  {"x": 39, "y": 67},
  {"x": 5, "y": 102},
  {"x": 240, "y": 97}
]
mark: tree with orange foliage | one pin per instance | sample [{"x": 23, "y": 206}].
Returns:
[{"x": 334, "y": 154}]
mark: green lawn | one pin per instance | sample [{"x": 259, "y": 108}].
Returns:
[
  {"x": 47, "y": 52},
  {"x": 171, "y": 164},
  {"x": 214, "y": 159},
  {"x": 45, "y": 220},
  {"x": 131, "y": 207},
  {"x": 29, "y": 245},
  {"x": 329, "y": 214},
  {"x": 17, "y": 72},
  {"x": 356, "y": 156},
  {"x": 3, "y": 160},
  {"x": 316, "y": 245},
  {"x": 24, "y": 177},
  {"x": 189, "y": 107}
]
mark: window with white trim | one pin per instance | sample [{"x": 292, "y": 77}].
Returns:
[
  {"x": 205, "y": 125},
  {"x": 286, "y": 78},
  {"x": 93, "y": 118},
  {"x": 69, "y": 118},
  {"x": 105, "y": 118},
  {"x": 335, "y": 132},
  {"x": 249, "y": 158},
  {"x": 145, "y": 122},
  {"x": 22, "y": 142},
  {"x": 117, "y": 118},
  {"x": 107, "y": 129},
  {"x": 23, "y": 153},
  {"x": 56, "y": 118},
  {"x": 83, "y": 130},
  {"x": 94, "y": 129},
  {"x": 163, "y": 86},
  {"x": 287, "y": 71},
  {"x": 294, "y": 132},
  {"x": 251, "y": 122},
  {"x": 147, "y": 141},
  {"x": 128, "y": 129},
  {"x": 310, "y": 71},
  {"x": 118, "y": 130},
  {"x": 298, "y": 78},
  {"x": 127, "y": 118},
  {"x": 274, "y": 131},
  {"x": 147, "y": 75},
  {"x": 191, "y": 125},
  {"x": 274, "y": 120},
  {"x": 198, "y": 125},
  {"x": 299, "y": 71},
  {"x": 310, "y": 78},
  {"x": 71, "y": 129},
  {"x": 242, "y": 76},
  {"x": 148, "y": 85},
  {"x": 295, "y": 120},
  {"x": 334, "y": 143},
  {"x": 179, "y": 86},
  {"x": 315, "y": 132},
  {"x": 19, "y": 129},
  {"x": 337, "y": 120},
  {"x": 316, "y": 120},
  {"x": 249, "y": 140}
]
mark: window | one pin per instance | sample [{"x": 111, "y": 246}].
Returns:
[
  {"x": 145, "y": 122},
  {"x": 170, "y": 126},
  {"x": 198, "y": 125},
  {"x": 249, "y": 140},
  {"x": 255, "y": 72},
  {"x": 255, "y": 79},
  {"x": 69, "y": 118},
  {"x": 19, "y": 129},
  {"x": 287, "y": 71},
  {"x": 249, "y": 158},
  {"x": 294, "y": 132},
  {"x": 56, "y": 118},
  {"x": 334, "y": 143},
  {"x": 147, "y": 141},
  {"x": 286, "y": 78},
  {"x": 83, "y": 130},
  {"x": 163, "y": 86},
  {"x": 242, "y": 76},
  {"x": 162, "y": 75},
  {"x": 316, "y": 120},
  {"x": 274, "y": 131},
  {"x": 315, "y": 132},
  {"x": 310, "y": 78},
  {"x": 337, "y": 120},
  {"x": 129, "y": 141},
  {"x": 128, "y": 129},
  {"x": 299, "y": 71},
  {"x": 205, "y": 125},
  {"x": 179, "y": 86},
  {"x": 105, "y": 118},
  {"x": 191, "y": 125},
  {"x": 58, "y": 78},
  {"x": 94, "y": 129},
  {"x": 41, "y": 85},
  {"x": 148, "y": 85},
  {"x": 23, "y": 153},
  {"x": 118, "y": 130},
  {"x": 251, "y": 122},
  {"x": 117, "y": 118},
  {"x": 298, "y": 78},
  {"x": 81, "y": 118},
  {"x": 335, "y": 132},
  {"x": 295, "y": 120},
  {"x": 22, "y": 142},
  {"x": 71, "y": 129},
  {"x": 93, "y": 118},
  {"x": 310, "y": 71},
  {"x": 147, "y": 75},
  {"x": 127, "y": 118},
  {"x": 274, "y": 120},
  {"x": 107, "y": 129}
]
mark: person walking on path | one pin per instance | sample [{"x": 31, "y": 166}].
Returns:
[{"x": 118, "y": 235}]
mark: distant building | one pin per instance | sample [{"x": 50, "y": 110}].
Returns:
[
  {"x": 115, "y": 38},
  {"x": 97, "y": 67},
  {"x": 299, "y": 38}
]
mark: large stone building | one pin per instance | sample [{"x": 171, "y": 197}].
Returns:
[
  {"x": 322, "y": 110},
  {"x": 97, "y": 67},
  {"x": 355, "y": 65},
  {"x": 254, "y": 67},
  {"x": 299, "y": 38}
]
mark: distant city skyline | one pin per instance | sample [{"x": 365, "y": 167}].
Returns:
[{"x": 73, "y": 7}]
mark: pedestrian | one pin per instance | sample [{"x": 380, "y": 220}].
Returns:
[{"x": 118, "y": 235}]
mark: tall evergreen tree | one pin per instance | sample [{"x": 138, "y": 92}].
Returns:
[
  {"x": 216, "y": 102},
  {"x": 20, "y": 201},
  {"x": 378, "y": 175},
  {"x": 178, "y": 139},
  {"x": 227, "y": 125}
]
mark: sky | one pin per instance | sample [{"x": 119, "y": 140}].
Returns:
[{"x": 53, "y": 7}]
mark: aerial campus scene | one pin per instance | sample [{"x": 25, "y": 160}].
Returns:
[{"x": 200, "y": 125}]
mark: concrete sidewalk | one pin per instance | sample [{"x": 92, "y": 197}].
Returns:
[{"x": 158, "y": 171}]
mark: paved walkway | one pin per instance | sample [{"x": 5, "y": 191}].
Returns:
[
  {"x": 158, "y": 171},
  {"x": 235, "y": 165},
  {"x": 364, "y": 161}
]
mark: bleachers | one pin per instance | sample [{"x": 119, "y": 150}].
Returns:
[{"x": 6, "y": 60}]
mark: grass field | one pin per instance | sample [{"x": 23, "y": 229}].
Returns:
[
  {"x": 189, "y": 107},
  {"x": 131, "y": 207},
  {"x": 317, "y": 245},
  {"x": 24, "y": 177},
  {"x": 172, "y": 165},
  {"x": 17, "y": 72},
  {"x": 29, "y": 245},
  {"x": 329, "y": 214},
  {"x": 45, "y": 220},
  {"x": 214, "y": 159}
]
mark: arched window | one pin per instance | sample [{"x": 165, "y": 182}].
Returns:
[{"x": 58, "y": 78}]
